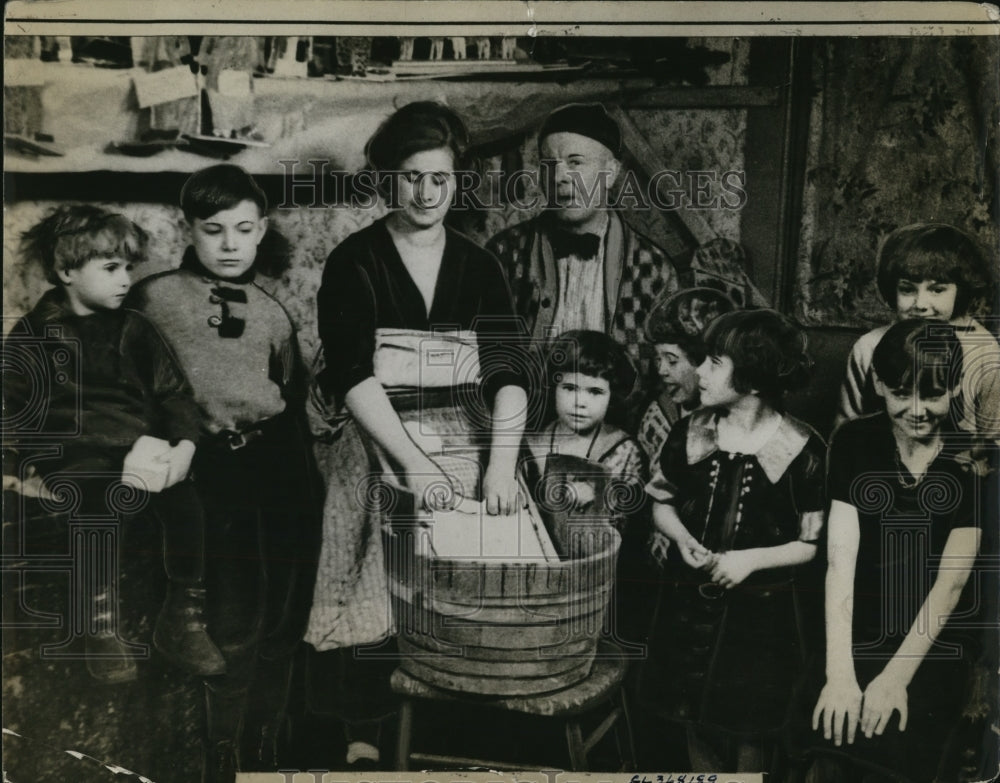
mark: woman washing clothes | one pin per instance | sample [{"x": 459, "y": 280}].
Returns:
[{"x": 387, "y": 291}]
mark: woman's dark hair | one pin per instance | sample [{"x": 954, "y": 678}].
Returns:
[
  {"x": 220, "y": 187},
  {"x": 416, "y": 127},
  {"x": 935, "y": 251},
  {"x": 768, "y": 351},
  {"x": 918, "y": 355},
  {"x": 595, "y": 354},
  {"x": 71, "y": 235}
]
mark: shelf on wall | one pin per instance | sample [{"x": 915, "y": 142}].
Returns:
[{"x": 87, "y": 110}]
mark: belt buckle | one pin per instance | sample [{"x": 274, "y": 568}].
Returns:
[
  {"x": 711, "y": 591},
  {"x": 237, "y": 441}
]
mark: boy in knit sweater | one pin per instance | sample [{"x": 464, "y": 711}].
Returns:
[
  {"x": 253, "y": 470},
  {"x": 127, "y": 390}
]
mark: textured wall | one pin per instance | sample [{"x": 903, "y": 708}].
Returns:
[
  {"x": 705, "y": 139},
  {"x": 907, "y": 146}
]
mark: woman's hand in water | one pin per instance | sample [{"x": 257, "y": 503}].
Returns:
[
  {"x": 432, "y": 487},
  {"x": 501, "y": 492}
]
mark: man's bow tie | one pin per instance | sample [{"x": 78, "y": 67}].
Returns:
[{"x": 566, "y": 243}]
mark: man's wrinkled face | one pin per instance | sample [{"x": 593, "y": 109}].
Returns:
[{"x": 577, "y": 174}]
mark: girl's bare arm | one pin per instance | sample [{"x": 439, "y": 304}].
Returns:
[
  {"x": 839, "y": 706},
  {"x": 669, "y": 524},
  {"x": 887, "y": 692},
  {"x": 731, "y": 568}
]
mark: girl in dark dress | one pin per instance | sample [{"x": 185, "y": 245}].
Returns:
[
  {"x": 388, "y": 291},
  {"x": 739, "y": 506},
  {"x": 903, "y": 502}
]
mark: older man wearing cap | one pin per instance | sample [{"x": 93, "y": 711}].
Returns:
[{"x": 578, "y": 265}]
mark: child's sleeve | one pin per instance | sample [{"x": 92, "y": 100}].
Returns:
[
  {"x": 988, "y": 409},
  {"x": 853, "y": 391},
  {"x": 635, "y": 462},
  {"x": 665, "y": 487},
  {"x": 839, "y": 460},
  {"x": 626, "y": 462},
  {"x": 627, "y": 466},
  {"x": 982, "y": 363},
  {"x": 180, "y": 417},
  {"x": 809, "y": 489},
  {"x": 976, "y": 498},
  {"x": 287, "y": 369}
]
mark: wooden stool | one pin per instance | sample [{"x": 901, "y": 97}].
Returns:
[{"x": 601, "y": 690}]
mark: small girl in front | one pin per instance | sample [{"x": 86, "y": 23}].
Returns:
[
  {"x": 590, "y": 374},
  {"x": 903, "y": 502},
  {"x": 592, "y": 471},
  {"x": 742, "y": 501}
]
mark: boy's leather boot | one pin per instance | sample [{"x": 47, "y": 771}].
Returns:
[
  {"x": 108, "y": 660},
  {"x": 108, "y": 657},
  {"x": 219, "y": 763},
  {"x": 224, "y": 710},
  {"x": 180, "y": 633},
  {"x": 266, "y": 719}
]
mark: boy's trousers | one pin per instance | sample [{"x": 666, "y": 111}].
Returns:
[
  {"x": 259, "y": 490},
  {"x": 93, "y": 476}
]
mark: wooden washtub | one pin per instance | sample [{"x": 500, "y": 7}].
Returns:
[
  {"x": 513, "y": 624},
  {"x": 498, "y": 618}
]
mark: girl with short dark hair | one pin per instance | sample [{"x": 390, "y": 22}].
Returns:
[{"x": 741, "y": 500}]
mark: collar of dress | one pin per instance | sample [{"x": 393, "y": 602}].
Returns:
[{"x": 774, "y": 456}]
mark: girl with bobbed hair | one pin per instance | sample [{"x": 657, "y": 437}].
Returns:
[
  {"x": 388, "y": 290},
  {"x": 893, "y": 680},
  {"x": 767, "y": 350},
  {"x": 936, "y": 272},
  {"x": 590, "y": 376},
  {"x": 741, "y": 501}
]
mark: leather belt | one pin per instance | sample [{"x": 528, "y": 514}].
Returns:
[
  {"x": 713, "y": 591},
  {"x": 235, "y": 440}
]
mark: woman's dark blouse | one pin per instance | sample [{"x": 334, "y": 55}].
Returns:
[
  {"x": 366, "y": 287},
  {"x": 902, "y": 530}
]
